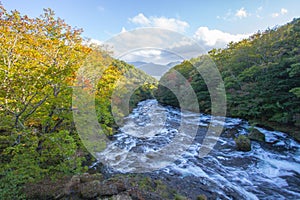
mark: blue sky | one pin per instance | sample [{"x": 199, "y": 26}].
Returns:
[{"x": 212, "y": 23}]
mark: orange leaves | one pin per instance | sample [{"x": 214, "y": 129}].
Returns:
[{"x": 38, "y": 61}]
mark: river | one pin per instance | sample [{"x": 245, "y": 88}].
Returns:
[{"x": 271, "y": 170}]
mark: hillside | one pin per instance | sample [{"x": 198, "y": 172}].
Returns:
[{"x": 261, "y": 76}]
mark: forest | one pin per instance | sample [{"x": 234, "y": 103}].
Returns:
[{"x": 261, "y": 76}]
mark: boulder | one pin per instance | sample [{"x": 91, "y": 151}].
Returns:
[
  {"x": 101, "y": 188},
  {"x": 72, "y": 185},
  {"x": 90, "y": 189},
  {"x": 243, "y": 143},
  {"x": 257, "y": 135},
  {"x": 230, "y": 132}
]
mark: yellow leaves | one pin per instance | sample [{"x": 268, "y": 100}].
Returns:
[
  {"x": 38, "y": 61},
  {"x": 55, "y": 118},
  {"x": 33, "y": 122}
]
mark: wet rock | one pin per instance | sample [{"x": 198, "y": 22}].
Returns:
[
  {"x": 257, "y": 136},
  {"x": 230, "y": 132},
  {"x": 269, "y": 128},
  {"x": 243, "y": 143}
]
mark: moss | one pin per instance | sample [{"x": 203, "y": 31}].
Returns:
[
  {"x": 243, "y": 143},
  {"x": 146, "y": 184},
  {"x": 179, "y": 197},
  {"x": 201, "y": 197},
  {"x": 161, "y": 189}
]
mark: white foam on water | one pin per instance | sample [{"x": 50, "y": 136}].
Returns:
[{"x": 246, "y": 173}]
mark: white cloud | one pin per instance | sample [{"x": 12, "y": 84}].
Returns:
[
  {"x": 163, "y": 46},
  {"x": 170, "y": 23},
  {"x": 161, "y": 22},
  {"x": 232, "y": 16},
  {"x": 147, "y": 53},
  {"x": 216, "y": 38},
  {"x": 140, "y": 19},
  {"x": 154, "y": 45},
  {"x": 283, "y": 11},
  {"x": 241, "y": 13},
  {"x": 275, "y": 15}
]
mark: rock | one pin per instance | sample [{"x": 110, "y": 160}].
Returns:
[
  {"x": 118, "y": 197},
  {"x": 121, "y": 197},
  {"x": 83, "y": 184},
  {"x": 75, "y": 180},
  {"x": 96, "y": 188},
  {"x": 230, "y": 132},
  {"x": 107, "y": 189},
  {"x": 243, "y": 143},
  {"x": 86, "y": 177},
  {"x": 141, "y": 195},
  {"x": 267, "y": 127},
  {"x": 257, "y": 136},
  {"x": 90, "y": 189},
  {"x": 72, "y": 185}
]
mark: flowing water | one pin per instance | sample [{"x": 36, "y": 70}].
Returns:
[{"x": 271, "y": 170}]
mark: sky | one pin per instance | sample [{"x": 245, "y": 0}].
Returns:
[{"x": 211, "y": 24}]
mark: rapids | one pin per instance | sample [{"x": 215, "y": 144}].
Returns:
[{"x": 271, "y": 170}]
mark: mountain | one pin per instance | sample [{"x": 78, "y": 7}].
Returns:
[
  {"x": 137, "y": 64},
  {"x": 153, "y": 69},
  {"x": 173, "y": 64}
]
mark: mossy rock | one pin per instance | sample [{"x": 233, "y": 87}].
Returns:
[
  {"x": 201, "y": 197},
  {"x": 243, "y": 143},
  {"x": 179, "y": 197},
  {"x": 257, "y": 135}
]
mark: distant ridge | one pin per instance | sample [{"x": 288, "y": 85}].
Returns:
[{"x": 153, "y": 69}]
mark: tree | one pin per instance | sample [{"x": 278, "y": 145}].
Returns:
[{"x": 38, "y": 61}]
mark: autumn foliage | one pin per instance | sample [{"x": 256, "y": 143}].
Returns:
[{"x": 39, "y": 62}]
